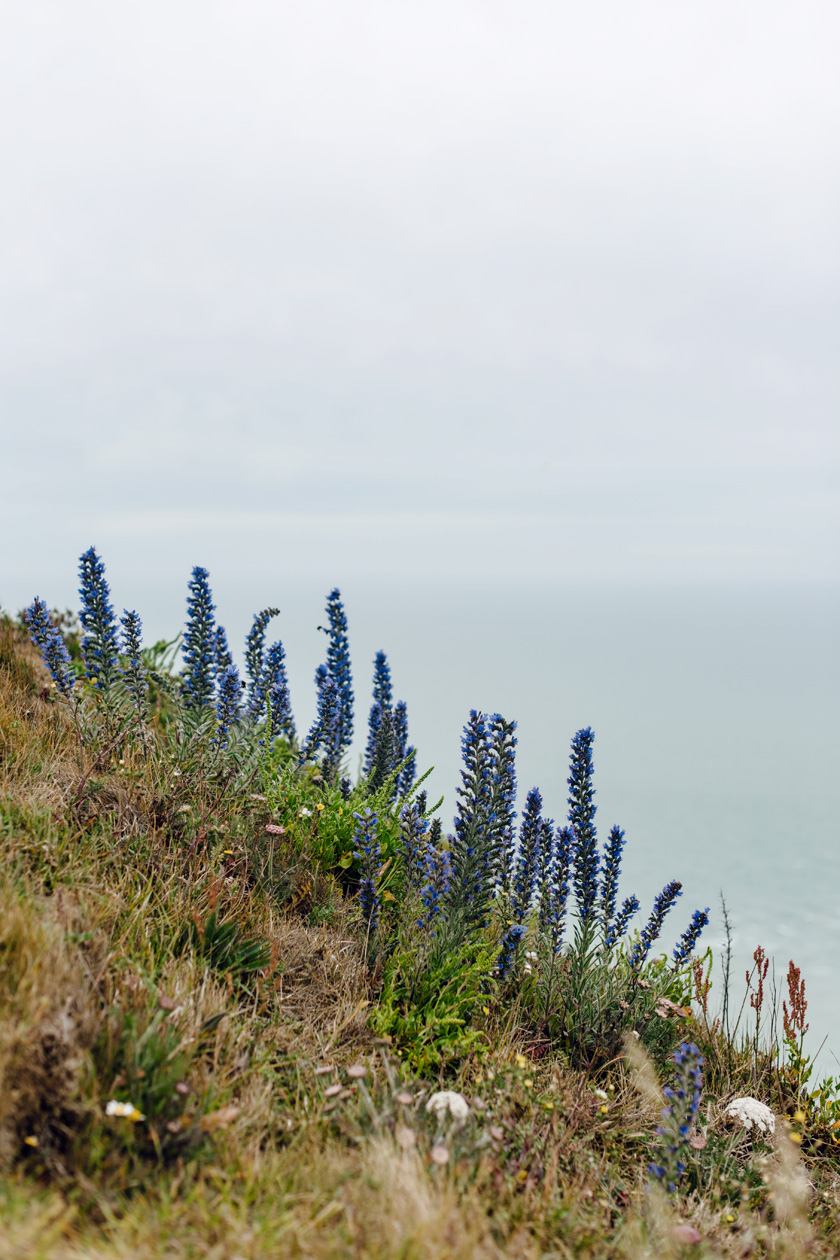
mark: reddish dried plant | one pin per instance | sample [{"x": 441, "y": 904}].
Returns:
[
  {"x": 762, "y": 962},
  {"x": 793, "y": 1016}
]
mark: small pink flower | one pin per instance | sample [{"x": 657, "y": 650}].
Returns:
[{"x": 275, "y": 830}]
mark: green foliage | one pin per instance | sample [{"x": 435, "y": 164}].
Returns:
[
  {"x": 431, "y": 1001},
  {"x": 140, "y": 1057},
  {"x": 221, "y": 945}
]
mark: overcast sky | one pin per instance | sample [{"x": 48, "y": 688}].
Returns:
[{"x": 355, "y": 289}]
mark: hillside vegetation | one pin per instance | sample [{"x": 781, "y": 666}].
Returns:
[{"x": 251, "y": 1008}]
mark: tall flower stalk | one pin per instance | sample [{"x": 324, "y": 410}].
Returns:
[
  {"x": 338, "y": 667},
  {"x": 684, "y": 947},
  {"x": 325, "y": 732},
  {"x": 100, "y": 647},
  {"x": 669, "y": 1161},
  {"x": 276, "y": 686},
  {"x": 367, "y": 854},
  {"x": 663, "y": 902},
  {"x": 582, "y": 820},
  {"x": 227, "y": 704},
  {"x": 133, "y": 669},
  {"x": 382, "y": 700},
  {"x": 48, "y": 638},
  {"x": 255, "y": 663},
  {"x": 198, "y": 678}
]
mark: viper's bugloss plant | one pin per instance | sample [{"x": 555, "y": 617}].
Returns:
[
  {"x": 384, "y": 756},
  {"x": 227, "y": 703},
  {"x": 684, "y": 947},
  {"x": 382, "y": 699},
  {"x": 662, "y": 903},
  {"x": 255, "y": 661},
  {"x": 403, "y": 752},
  {"x": 683, "y": 1100},
  {"x": 53, "y": 649},
  {"x": 484, "y": 819},
  {"x": 582, "y": 819},
  {"x": 609, "y": 879},
  {"x": 530, "y": 859},
  {"x": 367, "y": 853},
  {"x": 133, "y": 670},
  {"x": 276, "y": 687},
  {"x": 199, "y": 647},
  {"x": 472, "y": 829},
  {"x": 325, "y": 732},
  {"x": 511, "y": 941},
  {"x": 437, "y": 864},
  {"x": 222, "y": 657},
  {"x": 100, "y": 647},
  {"x": 621, "y": 922},
  {"x": 414, "y": 829},
  {"x": 555, "y": 886},
  {"x": 338, "y": 667},
  {"x": 503, "y": 739}
]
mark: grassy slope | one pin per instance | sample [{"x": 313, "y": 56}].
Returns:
[{"x": 105, "y": 897}]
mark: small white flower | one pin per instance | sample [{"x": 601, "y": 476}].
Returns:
[
  {"x": 448, "y": 1100},
  {"x": 303, "y": 812},
  {"x": 124, "y": 1109},
  {"x": 531, "y": 955},
  {"x": 527, "y": 970},
  {"x": 752, "y": 1112},
  {"x": 601, "y": 1093}
]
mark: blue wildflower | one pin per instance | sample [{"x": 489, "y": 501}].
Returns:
[
  {"x": 485, "y": 817},
  {"x": 338, "y": 667},
  {"x": 509, "y": 946},
  {"x": 554, "y": 880},
  {"x": 254, "y": 662},
  {"x": 609, "y": 877},
  {"x": 345, "y": 787},
  {"x": 367, "y": 854},
  {"x": 413, "y": 832},
  {"x": 473, "y": 805},
  {"x": 222, "y": 657},
  {"x": 650, "y": 932},
  {"x": 276, "y": 687},
  {"x": 438, "y": 870},
  {"x": 199, "y": 642},
  {"x": 684, "y": 947},
  {"x": 555, "y": 885},
  {"x": 678, "y": 1117},
  {"x": 100, "y": 648},
  {"x": 503, "y": 742},
  {"x": 49, "y": 639},
  {"x": 382, "y": 699},
  {"x": 531, "y": 843},
  {"x": 581, "y": 818},
  {"x": 227, "y": 704},
  {"x": 133, "y": 671},
  {"x": 619, "y": 924},
  {"x": 325, "y": 730},
  {"x": 383, "y": 757},
  {"x": 403, "y": 752}
]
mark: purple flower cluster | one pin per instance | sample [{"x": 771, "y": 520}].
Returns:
[
  {"x": 678, "y": 1117},
  {"x": 49, "y": 639},
  {"x": 100, "y": 648},
  {"x": 367, "y": 854},
  {"x": 198, "y": 678}
]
